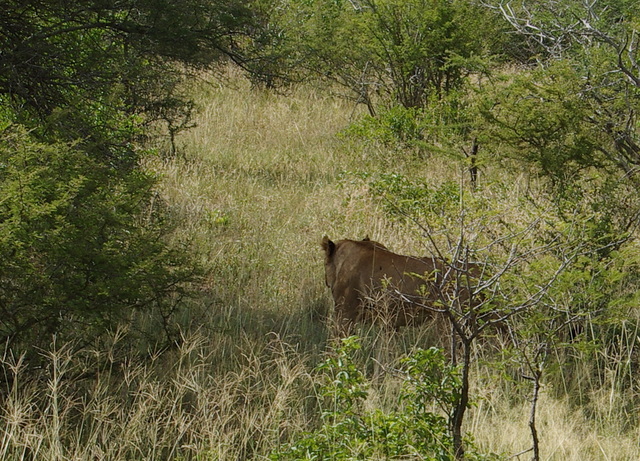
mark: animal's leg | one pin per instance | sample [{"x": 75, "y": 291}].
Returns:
[{"x": 348, "y": 305}]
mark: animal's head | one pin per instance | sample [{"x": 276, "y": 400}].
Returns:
[{"x": 329, "y": 248}]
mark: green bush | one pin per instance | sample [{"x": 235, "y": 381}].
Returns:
[
  {"x": 81, "y": 244},
  {"x": 417, "y": 429},
  {"x": 389, "y": 52},
  {"x": 398, "y": 127}
]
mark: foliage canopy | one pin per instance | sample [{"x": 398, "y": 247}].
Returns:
[{"x": 83, "y": 236}]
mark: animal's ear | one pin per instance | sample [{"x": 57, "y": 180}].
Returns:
[
  {"x": 366, "y": 239},
  {"x": 328, "y": 246}
]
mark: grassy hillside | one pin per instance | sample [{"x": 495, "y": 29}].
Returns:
[
  {"x": 263, "y": 178},
  {"x": 267, "y": 175}
]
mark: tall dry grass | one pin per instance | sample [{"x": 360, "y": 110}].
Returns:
[
  {"x": 260, "y": 182},
  {"x": 166, "y": 408}
]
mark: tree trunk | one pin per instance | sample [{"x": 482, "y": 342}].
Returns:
[
  {"x": 461, "y": 405},
  {"x": 532, "y": 416}
]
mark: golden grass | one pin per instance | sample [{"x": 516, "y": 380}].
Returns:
[
  {"x": 271, "y": 164},
  {"x": 258, "y": 187},
  {"x": 150, "y": 411}
]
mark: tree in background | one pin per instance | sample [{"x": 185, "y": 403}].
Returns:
[
  {"x": 79, "y": 69},
  {"x": 577, "y": 108},
  {"x": 390, "y": 52}
]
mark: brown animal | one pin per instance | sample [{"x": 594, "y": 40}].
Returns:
[{"x": 370, "y": 282}]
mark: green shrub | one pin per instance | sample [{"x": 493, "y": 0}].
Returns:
[
  {"x": 81, "y": 244},
  {"x": 417, "y": 429},
  {"x": 397, "y": 127},
  {"x": 442, "y": 125}
]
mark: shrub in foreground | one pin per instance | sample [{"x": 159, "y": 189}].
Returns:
[{"x": 418, "y": 429}]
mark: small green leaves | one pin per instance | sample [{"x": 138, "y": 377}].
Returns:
[{"x": 416, "y": 428}]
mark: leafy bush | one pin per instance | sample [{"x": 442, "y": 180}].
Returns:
[
  {"x": 418, "y": 428},
  {"x": 404, "y": 197},
  {"x": 396, "y": 127},
  {"x": 404, "y": 53},
  {"x": 81, "y": 245}
]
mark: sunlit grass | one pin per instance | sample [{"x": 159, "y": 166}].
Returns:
[{"x": 272, "y": 168}]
